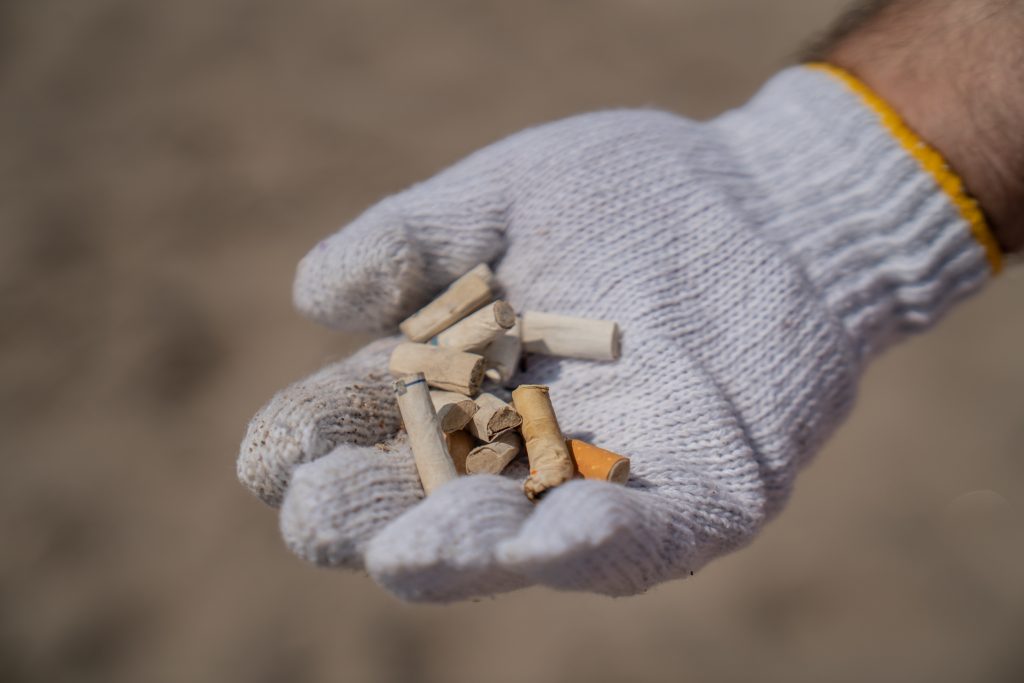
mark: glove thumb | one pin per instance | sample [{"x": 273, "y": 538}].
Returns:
[{"x": 397, "y": 255}]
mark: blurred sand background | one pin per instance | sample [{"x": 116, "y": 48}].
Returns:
[{"x": 164, "y": 165}]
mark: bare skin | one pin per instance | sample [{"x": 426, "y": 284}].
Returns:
[{"x": 954, "y": 70}]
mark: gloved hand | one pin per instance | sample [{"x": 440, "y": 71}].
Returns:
[{"x": 753, "y": 262}]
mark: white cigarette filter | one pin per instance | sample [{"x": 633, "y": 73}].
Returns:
[
  {"x": 494, "y": 417},
  {"x": 550, "y": 463},
  {"x": 502, "y": 355},
  {"x": 433, "y": 462},
  {"x": 475, "y": 332},
  {"x": 454, "y": 410},
  {"x": 562, "y": 335},
  {"x": 460, "y": 445},
  {"x": 446, "y": 369},
  {"x": 494, "y": 457},
  {"x": 465, "y": 295}
]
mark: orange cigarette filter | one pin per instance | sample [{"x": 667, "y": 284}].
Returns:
[{"x": 597, "y": 463}]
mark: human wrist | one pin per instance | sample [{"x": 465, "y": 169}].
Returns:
[
  {"x": 939, "y": 116},
  {"x": 882, "y": 240},
  {"x": 951, "y": 72}
]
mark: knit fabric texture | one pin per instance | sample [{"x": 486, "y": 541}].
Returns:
[{"x": 754, "y": 262}]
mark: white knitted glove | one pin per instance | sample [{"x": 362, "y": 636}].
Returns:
[{"x": 753, "y": 262}]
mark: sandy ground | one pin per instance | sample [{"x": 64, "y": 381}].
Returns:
[{"x": 163, "y": 167}]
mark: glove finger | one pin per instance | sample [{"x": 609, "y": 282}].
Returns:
[
  {"x": 334, "y": 505},
  {"x": 443, "y": 549},
  {"x": 695, "y": 488},
  {"x": 616, "y": 540},
  {"x": 351, "y": 401},
  {"x": 393, "y": 258}
]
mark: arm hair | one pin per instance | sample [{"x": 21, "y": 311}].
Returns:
[{"x": 954, "y": 69}]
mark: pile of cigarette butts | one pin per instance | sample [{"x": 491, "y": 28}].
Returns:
[{"x": 463, "y": 337}]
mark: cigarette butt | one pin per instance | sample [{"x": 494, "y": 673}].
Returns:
[
  {"x": 433, "y": 462},
  {"x": 502, "y": 355},
  {"x": 460, "y": 445},
  {"x": 465, "y": 295},
  {"x": 493, "y": 457},
  {"x": 562, "y": 335},
  {"x": 476, "y": 331},
  {"x": 454, "y": 410},
  {"x": 550, "y": 463},
  {"x": 444, "y": 368},
  {"x": 494, "y": 417},
  {"x": 597, "y": 463}
]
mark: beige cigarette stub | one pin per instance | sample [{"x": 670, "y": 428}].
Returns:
[
  {"x": 493, "y": 418},
  {"x": 550, "y": 463},
  {"x": 454, "y": 410},
  {"x": 562, "y": 335},
  {"x": 503, "y": 354},
  {"x": 465, "y": 295},
  {"x": 476, "y": 331},
  {"x": 425, "y": 438},
  {"x": 493, "y": 457},
  {"x": 460, "y": 445},
  {"x": 446, "y": 369},
  {"x": 597, "y": 463}
]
